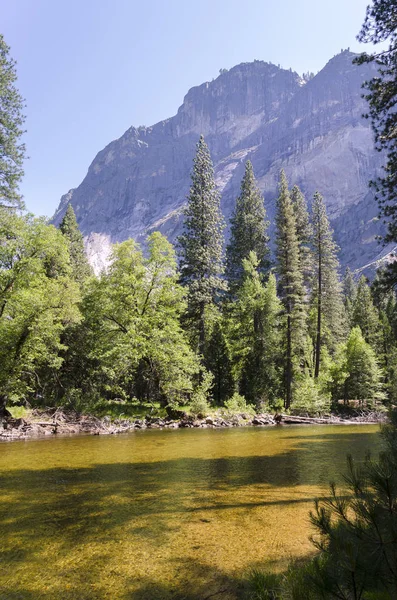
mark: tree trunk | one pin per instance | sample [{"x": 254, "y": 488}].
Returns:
[
  {"x": 319, "y": 308},
  {"x": 4, "y": 413},
  {"x": 288, "y": 374}
]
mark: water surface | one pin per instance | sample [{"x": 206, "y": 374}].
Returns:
[{"x": 155, "y": 515}]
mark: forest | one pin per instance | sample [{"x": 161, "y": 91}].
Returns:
[{"x": 195, "y": 326}]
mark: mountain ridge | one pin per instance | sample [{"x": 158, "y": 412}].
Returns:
[{"x": 313, "y": 129}]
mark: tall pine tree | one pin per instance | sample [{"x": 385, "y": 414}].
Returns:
[
  {"x": 247, "y": 232},
  {"x": 366, "y": 316},
  {"x": 304, "y": 234},
  {"x": 290, "y": 284},
  {"x": 200, "y": 245},
  {"x": 218, "y": 361},
  {"x": 12, "y": 150},
  {"x": 78, "y": 259},
  {"x": 327, "y": 296},
  {"x": 349, "y": 288},
  {"x": 260, "y": 310}
]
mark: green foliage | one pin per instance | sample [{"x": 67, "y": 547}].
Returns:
[
  {"x": 366, "y": 316},
  {"x": 248, "y": 227},
  {"x": 355, "y": 534},
  {"x": 356, "y": 374},
  {"x": 237, "y": 404},
  {"x": 327, "y": 299},
  {"x": 349, "y": 288},
  {"x": 133, "y": 318},
  {"x": 264, "y": 586},
  {"x": 256, "y": 338},
  {"x": 380, "y": 26},
  {"x": 200, "y": 400},
  {"x": 219, "y": 363},
  {"x": 310, "y": 397},
  {"x": 78, "y": 258},
  {"x": 12, "y": 151},
  {"x": 294, "y": 584},
  {"x": 304, "y": 232},
  {"x": 38, "y": 299},
  {"x": 290, "y": 283},
  {"x": 200, "y": 246}
]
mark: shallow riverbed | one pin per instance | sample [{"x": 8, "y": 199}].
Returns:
[{"x": 155, "y": 515}]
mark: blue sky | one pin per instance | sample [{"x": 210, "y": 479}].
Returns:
[{"x": 88, "y": 69}]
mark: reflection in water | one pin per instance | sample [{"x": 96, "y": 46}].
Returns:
[{"x": 158, "y": 515}]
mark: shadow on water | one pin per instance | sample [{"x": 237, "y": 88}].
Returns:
[{"x": 72, "y": 509}]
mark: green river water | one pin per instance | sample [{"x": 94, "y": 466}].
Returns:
[{"x": 153, "y": 515}]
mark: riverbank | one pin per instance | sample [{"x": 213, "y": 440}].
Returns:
[{"x": 59, "y": 422}]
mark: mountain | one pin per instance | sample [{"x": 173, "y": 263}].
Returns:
[{"x": 313, "y": 129}]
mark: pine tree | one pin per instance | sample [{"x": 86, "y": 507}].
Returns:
[
  {"x": 248, "y": 231},
  {"x": 380, "y": 26},
  {"x": 349, "y": 288},
  {"x": 78, "y": 258},
  {"x": 290, "y": 283},
  {"x": 304, "y": 233},
  {"x": 356, "y": 373},
  {"x": 12, "y": 151},
  {"x": 366, "y": 316},
  {"x": 327, "y": 294},
  {"x": 218, "y": 362},
  {"x": 260, "y": 309},
  {"x": 200, "y": 245}
]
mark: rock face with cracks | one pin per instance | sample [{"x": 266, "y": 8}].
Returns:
[{"x": 313, "y": 129}]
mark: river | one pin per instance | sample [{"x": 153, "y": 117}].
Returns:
[{"x": 155, "y": 515}]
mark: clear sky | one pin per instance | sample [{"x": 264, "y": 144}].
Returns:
[{"x": 88, "y": 69}]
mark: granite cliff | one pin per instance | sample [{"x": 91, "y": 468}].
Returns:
[{"x": 313, "y": 129}]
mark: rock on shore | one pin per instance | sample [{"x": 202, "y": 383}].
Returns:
[{"x": 59, "y": 422}]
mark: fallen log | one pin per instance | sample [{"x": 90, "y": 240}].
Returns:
[{"x": 295, "y": 420}]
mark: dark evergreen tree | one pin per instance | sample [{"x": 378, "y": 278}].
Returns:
[
  {"x": 366, "y": 316},
  {"x": 12, "y": 151},
  {"x": 327, "y": 295},
  {"x": 218, "y": 362},
  {"x": 304, "y": 233},
  {"x": 260, "y": 308},
  {"x": 247, "y": 232},
  {"x": 349, "y": 288},
  {"x": 78, "y": 257},
  {"x": 380, "y": 25},
  {"x": 290, "y": 284},
  {"x": 200, "y": 245}
]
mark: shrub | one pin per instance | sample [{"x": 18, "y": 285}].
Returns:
[
  {"x": 310, "y": 398},
  {"x": 200, "y": 401},
  {"x": 238, "y": 404}
]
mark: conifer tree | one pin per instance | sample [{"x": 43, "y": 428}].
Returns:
[
  {"x": 261, "y": 368},
  {"x": 366, "y": 316},
  {"x": 290, "y": 283},
  {"x": 247, "y": 232},
  {"x": 200, "y": 245},
  {"x": 218, "y": 362},
  {"x": 304, "y": 233},
  {"x": 349, "y": 288},
  {"x": 327, "y": 295},
  {"x": 78, "y": 259},
  {"x": 12, "y": 151},
  {"x": 356, "y": 373}
]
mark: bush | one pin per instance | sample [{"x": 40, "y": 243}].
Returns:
[
  {"x": 309, "y": 398},
  {"x": 237, "y": 404},
  {"x": 199, "y": 404}
]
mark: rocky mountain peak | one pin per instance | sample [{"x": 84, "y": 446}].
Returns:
[{"x": 312, "y": 128}]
